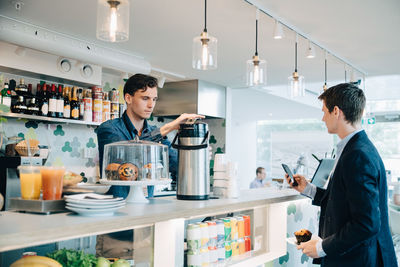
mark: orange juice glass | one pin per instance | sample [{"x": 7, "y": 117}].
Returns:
[
  {"x": 52, "y": 182},
  {"x": 31, "y": 181}
]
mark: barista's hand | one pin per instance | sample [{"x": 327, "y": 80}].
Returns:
[
  {"x": 301, "y": 181},
  {"x": 309, "y": 248},
  {"x": 174, "y": 125}
]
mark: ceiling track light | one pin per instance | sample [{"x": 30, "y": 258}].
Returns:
[
  {"x": 204, "y": 53},
  {"x": 113, "y": 20},
  {"x": 296, "y": 86},
  {"x": 325, "y": 87},
  {"x": 310, "y": 50},
  {"x": 256, "y": 74},
  {"x": 278, "y": 30}
]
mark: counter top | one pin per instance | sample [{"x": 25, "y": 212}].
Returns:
[{"x": 19, "y": 230}]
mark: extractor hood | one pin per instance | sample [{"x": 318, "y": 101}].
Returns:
[{"x": 192, "y": 96}]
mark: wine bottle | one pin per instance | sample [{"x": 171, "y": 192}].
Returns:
[
  {"x": 52, "y": 102},
  {"x": 60, "y": 102}
]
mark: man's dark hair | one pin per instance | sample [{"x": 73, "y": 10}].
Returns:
[
  {"x": 139, "y": 82},
  {"x": 259, "y": 170},
  {"x": 347, "y": 97}
]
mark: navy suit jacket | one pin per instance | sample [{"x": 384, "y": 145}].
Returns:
[{"x": 354, "y": 222}]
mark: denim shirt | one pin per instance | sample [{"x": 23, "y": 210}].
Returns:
[{"x": 122, "y": 129}]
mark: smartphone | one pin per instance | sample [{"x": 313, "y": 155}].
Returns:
[{"x": 289, "y": 172}]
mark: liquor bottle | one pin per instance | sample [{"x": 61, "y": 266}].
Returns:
[
  {"x": 67, "y": 105},
  {"x": 52, "y": 102},
  {"x": 21, "y": 89},
  {"x": 60, "y": 102},
  {"x": 19, "y": 106},
  {"x": 29, "y": 94},
  {"x": 33, "y": 107},
  {"x": 44, "y": 101},
  {"x": 81, "y": 103},
  {"x": 74, "y": 105},
  {"x": 6, "y": 95}
]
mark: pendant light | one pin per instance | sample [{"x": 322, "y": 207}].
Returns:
[
  {"x": 256, "y": 74},
  {"x": 325, "y": 87},
  {"x": 296, "y": 82},
  {"x": 204, "y": 54},
  {"x": 113, "y": 20},
  {"x": 310, "y": 50}
]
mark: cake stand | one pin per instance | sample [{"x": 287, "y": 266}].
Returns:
[{"x": 136, "y": 192}]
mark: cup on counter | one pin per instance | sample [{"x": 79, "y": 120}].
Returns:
[
  {"x": 219, "y": 162},
  {"x": 52, "y": 182},
  {"x": 31, "y": 181}
]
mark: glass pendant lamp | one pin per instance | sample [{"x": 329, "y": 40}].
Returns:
[
  {"x": 204, "y": 54},
  {"x": 295, "y": 81},
  {"x": 113, "y": 20},
  {"x": 256, "y": 74}
]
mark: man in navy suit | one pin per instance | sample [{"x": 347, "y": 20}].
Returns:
[{"x": 353, "y": 223}]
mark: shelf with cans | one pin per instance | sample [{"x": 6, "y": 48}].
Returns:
[
  {"x": 60, "y": 103},
  {"x": 219, "y": 241}
]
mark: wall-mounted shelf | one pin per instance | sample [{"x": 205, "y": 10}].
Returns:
[{"x": 46, "y": 119}]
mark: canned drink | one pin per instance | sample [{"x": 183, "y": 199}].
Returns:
[
  {"x": 193, "y": 236},
  {"x": 242, "y": 246},
  {"x": 240, "y": 223},
  {"x": 114, "y": 95},
  {"x": 246, "y": 219},
  {"x": 220, "y": 234},
  {"x": 227, "y": 229},
  {"x": 97, "y": 116},
  {"x": 204, "y": 235},
  {"x": 96, "y": 89},
  {"x": 88, "y": 108},
  {"x": 221, "y": 254},
  {"x": 213, "y": 255},
  {"x": 228, "y": 249},
  {"x": 205, "y": 257},
  {"x": 212, "y": 232},
  {"x": 106, "y": 110},
  {"x": 97, "y": 104},
  {"x": 115, "y": 107},
  {"x": 234, "y": 228},
  {"x": 194, "y": 258},
  {"x": 28, "y": 254},
  {"x": 235, "y": 248},
  {"x": 247, "y": 243}
]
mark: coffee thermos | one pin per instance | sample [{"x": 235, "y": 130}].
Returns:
[{"x": 193, "y": 161}]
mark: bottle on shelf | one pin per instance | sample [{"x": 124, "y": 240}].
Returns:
[
  {"x": 81, "y": 103},
  {"x": 44, "y": 101},
  {"x": 32, "y": 107},
  {"x": 19, "y": 106},
  {"x": 6, "y": 95},
  {"x": 60, "y": 102},
  {"x": 74, "y": 104},
  {"x": 67, "y": 105},
  {"x": 22, "y": 88},
  {"x": 52, "y": 102}
]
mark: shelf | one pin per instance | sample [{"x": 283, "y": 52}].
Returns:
[{"x": 46, "y": 119}]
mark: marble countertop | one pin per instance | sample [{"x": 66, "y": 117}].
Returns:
[{"x": 19, "y": 230}]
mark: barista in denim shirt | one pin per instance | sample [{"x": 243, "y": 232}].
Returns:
[{"x": 140, "y": 94}]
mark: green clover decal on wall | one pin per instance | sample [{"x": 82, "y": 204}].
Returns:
[
  {"x": 75, "y": 148},
  {"x": 304, "y": 258},
  {"x": 291, "y": 209},
  {"x": 90, "y": 143},
  {"x": 31, "y": 124},
  {"x": 59, "y": 131},
  {"x": 284, "y": 258},
  {"x": 22, "y": 135},
  {"x": 67, "y": 147},
  {"x": 213, "y": 140}
]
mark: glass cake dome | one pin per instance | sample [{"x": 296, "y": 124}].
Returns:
[{"x": 135, "y": 160}]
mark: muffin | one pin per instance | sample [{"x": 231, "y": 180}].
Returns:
[
  {"x": 112, "y": 171},
  {"x": 128, "y": 172},
  {"x": 303, "y": 235}
]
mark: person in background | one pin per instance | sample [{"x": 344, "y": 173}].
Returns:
[
  {"x": 353, "y": 221},
  {"x": 260, "y": 180},
  {"x": 140, "y": 94}
]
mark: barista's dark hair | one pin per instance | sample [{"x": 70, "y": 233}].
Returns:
[
  {"x": 259, "y": 170},
  {"x": 348, "y": 98},
  {"x": 139, "y": 82}
]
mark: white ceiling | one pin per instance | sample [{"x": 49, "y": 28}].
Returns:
[{"x": 360, "y": 31}]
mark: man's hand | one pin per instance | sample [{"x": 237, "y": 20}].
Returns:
[
  {"x": 301, "y": 181},
  {"x": 174, "y": 125},
  {"x": 309, "y": 248}
]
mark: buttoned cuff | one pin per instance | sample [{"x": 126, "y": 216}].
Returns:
[
  {"x": 310, "y": 191},
  {"x": 320, "y": 251}
]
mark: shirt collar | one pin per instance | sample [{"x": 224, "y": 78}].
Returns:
[
  {"x": 340, "y": 146},
  {"x": 131, "y": 128}
]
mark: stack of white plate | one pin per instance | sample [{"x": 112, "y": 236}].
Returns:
[{"x": 94, "y": 204}]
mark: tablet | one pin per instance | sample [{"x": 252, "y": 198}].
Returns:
[{"x": 321, "y": 175}]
